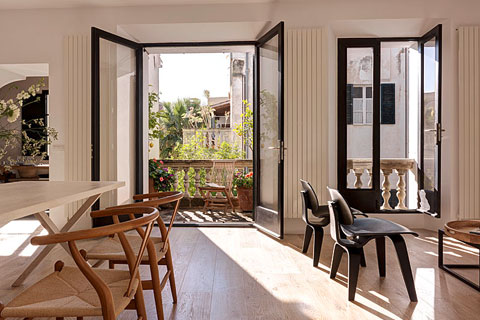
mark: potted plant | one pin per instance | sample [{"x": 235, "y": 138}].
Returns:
[
  {"x": 244, "y": 185},
  {"x": 160, "y": 179}
]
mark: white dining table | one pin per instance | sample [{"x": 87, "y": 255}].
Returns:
[{"x": 21, "y": 199}]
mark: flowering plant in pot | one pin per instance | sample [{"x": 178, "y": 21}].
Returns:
[
  {"x": 160, "y": 179},
  {"x": 244, "y": 184}
]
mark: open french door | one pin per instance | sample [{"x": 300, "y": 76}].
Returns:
[
  {"x": 430, "y": 46},
  {"x": 268, "y": 132},
  {"x": 117, "y": 115}
]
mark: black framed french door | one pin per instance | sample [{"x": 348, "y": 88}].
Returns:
[
  {"x": 117, "y": 113},
  {"x": 366, "y": 197},
  {"x": 430, "y": 47},
  {"x": 367, "y": 109},
  {"x": 269, "y": 132}
]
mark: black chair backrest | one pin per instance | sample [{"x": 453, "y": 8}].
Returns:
[
  {"x": 311, "y": 195},
  {"x": 334, "y": 225},
  {"x": 345, "y": 215}
]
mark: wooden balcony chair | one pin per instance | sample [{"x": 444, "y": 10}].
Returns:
[
  {"x": 159, "y": 253},
  {"x": 351, "y": 235},
  {"x": 82, "y": 291},
  {"x": 221, "y": 182}
]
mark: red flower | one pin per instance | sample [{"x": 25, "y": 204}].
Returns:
[
  {"x": 161, "y": 161},
  {"x": 154, "y": 160},
  {"x": 249, "y": 175},
  {"x": 161, "y": 179}
]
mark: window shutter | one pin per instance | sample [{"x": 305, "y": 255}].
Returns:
[
  {"x": 349, "y": 104},
  {"x": 387, "y": 103}
]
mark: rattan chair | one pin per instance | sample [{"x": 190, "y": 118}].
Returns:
[
  {"x": 159, "y": 254},
  {"x": 221, "y": 181},
  {"x": 81, "y": 291}
]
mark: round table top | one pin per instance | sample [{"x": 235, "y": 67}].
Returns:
[{"x": 460, "y": 230}]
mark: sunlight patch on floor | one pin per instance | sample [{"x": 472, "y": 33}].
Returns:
[
  {"x": 15, "y": 234},
  {"x": 425, "y": 286}
]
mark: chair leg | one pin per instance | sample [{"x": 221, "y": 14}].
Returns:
[
  {"x": 317, "y": 244},
  {"x": 402, "y": 254},
  {"x": 171, "y": 278},
  {"x": 354, "y": 257},
  {"x": 363, "y": 261},
  {"x": 380, "y": 244},
  {"x": 140, "y": 302},
  {"x": 306, "y": 238},
  {"x": 336, "y": 258},
  {"x": 157, "y": 290},
  {"x": 229, "y": 198}
]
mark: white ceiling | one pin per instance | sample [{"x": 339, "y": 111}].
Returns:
[
  {"x": 196, "y": 32},
  {"x": 44, "y": 4}
]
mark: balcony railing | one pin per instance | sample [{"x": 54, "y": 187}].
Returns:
[
  {"x": 188, "y": 174},
  {"x": 388, "y": 167}
]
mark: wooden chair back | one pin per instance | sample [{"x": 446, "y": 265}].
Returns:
[
  {"x": 154, "y": 200},
  {"x": 119, "y": 228},
  {"x": 222, "y": 172}
]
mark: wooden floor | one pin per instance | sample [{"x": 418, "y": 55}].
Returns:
[{"x": 239, "y": 273}]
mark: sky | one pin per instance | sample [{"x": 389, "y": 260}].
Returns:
[{"x": 189, "y": 74}]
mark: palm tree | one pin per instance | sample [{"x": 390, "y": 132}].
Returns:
[{"x": 173, "y": 119}]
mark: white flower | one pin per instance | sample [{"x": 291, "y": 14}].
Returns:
[
  {"x": 14, "y": 116},
  {"x": 20, "y": 95}
]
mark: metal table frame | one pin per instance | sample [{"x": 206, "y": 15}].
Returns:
[{"x": 449, "y": 267}]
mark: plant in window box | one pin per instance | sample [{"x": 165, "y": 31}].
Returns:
[
  {"x": 34, "y": 135},
  {"x": 244, "y": 185},
  {"x": 160, "y": 179}
]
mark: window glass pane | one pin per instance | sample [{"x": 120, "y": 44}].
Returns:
[
  {"x": 369, "y": 91},
  {"x": 359, "y": 137},
  {"x": 357, "y": 92}
]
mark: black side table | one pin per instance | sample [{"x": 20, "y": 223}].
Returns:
[{"x": 449, "y": 267}]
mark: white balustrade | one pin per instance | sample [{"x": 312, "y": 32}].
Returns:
[{"x": 387, "y": 166}]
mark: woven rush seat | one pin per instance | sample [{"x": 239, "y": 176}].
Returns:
[
  {"x": 110, "y": 248},
  {"x": 67, "y": 293}
]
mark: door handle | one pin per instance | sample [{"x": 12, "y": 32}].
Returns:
[
  {"x": 281, "y": 148},
  {"x": 438, "y": 130}
]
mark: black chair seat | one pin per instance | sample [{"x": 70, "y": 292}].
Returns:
[
  {"x": 373, "y": 227},
  {"x": 320, "y": 217}
]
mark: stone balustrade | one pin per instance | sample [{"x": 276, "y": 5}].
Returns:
[
  {"x": 193, "y": 169},
  {"x": 387, "y": 166}
]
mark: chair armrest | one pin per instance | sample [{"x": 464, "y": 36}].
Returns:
[{"x": 357, "y": 212}]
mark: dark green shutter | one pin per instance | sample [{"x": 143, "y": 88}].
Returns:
[
  {"x": 349, "y": 104},
  {"x": 387, "y": 103}
]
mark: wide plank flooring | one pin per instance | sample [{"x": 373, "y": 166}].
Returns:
[{"x": 240, "y": 273}]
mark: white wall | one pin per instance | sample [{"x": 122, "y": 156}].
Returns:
[{"x": 38, "y": 39}]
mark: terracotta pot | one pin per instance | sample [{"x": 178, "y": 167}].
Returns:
[
  {"x": 27, "y": 171},
  {"x": 245, "y": 198}
]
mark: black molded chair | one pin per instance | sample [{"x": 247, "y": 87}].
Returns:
[
  {"x": 350, "y": 235},
  {"x": 316, "y": 217}
]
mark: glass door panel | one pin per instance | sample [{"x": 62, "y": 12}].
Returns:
[
  {"x": 117, "y": 118},
  {"x": 359, "y": 118},
  {"x": 431, "y": 138},
  {"x": 269, "y": 133}
]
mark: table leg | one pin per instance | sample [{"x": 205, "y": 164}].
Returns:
[{"x": 50, "y": 226}]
